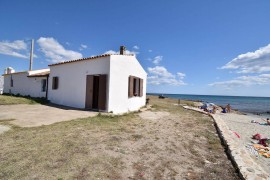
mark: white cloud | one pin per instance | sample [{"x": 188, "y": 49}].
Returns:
[
  {"x": 181, "y": 75},
  {"x": 157, "y": 60},
  {"x": 262, "y": 79},
  {"x": 118, "y": 52},
  {"x": 150, "y": 50},
  {"x": 16, "y": 48},
  {"x": 251, "y": 62},
  {"x": 55, "y": 52},
  {"x": 160, "y": 75},
  {"x": 136, "y": 47},
  {"x": 82, "y": 47}
]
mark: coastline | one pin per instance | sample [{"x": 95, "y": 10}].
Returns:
[
  {"x": 236, "y": 131},
  {"x": 258, "y": 106}
]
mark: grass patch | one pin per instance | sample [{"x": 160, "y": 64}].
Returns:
[
  {"x": 6, "y": 99},
  {"x": 73, "y": 149}
]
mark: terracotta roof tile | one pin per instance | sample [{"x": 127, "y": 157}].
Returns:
[{"x": 88, "y": 58}]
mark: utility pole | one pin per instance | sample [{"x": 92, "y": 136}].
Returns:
[{"x": 31, "y": 55}]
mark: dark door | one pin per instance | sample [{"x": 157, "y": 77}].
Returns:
[
  {"x": 89, "y": 92},
  {"x": 102, "y": 92},
  {"x": 96, "y": 92}
]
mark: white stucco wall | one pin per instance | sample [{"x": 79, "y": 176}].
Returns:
[
  {"x": 72, "y": 80},
  {"x": 24, "y": 85},
  {"x": 121, "y": 67},
  {"x": 1, "y": 84}
]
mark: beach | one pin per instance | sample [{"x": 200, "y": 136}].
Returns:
[
  {"x": 236, "y": 130},
  {"x": 241, "y": 124}
]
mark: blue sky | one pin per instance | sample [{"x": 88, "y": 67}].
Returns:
[{"x": 186, "y": 46}]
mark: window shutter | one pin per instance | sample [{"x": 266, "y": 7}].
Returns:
[
  {"x": 141, "y": 88},
  {"x": 130, "y": 86}
]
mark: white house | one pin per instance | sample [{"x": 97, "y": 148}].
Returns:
[
  {"x": 27, "y": 83},
  {"x": 110, "y": 82}
]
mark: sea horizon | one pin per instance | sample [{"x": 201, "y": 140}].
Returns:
[
  {"x": 205, "y": 95},
  {"x": 247, "y": 104}
]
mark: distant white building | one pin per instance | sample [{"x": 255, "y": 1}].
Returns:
[
  {"x": 27, "y": 83},
  {"x": 110, "y": 82}
]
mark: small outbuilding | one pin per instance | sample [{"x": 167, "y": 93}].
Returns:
[{"x": 27, "y": 83}]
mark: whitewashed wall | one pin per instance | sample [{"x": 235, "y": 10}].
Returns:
[
  {"x": 72, "y": 80},
  {"x": 121, "y": 67},
  {"x": 1, "y": 84},
  {"x": 24, "y": 85}
]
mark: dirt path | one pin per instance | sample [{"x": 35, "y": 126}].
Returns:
[
  {"x": 25, "y": 115},
  {"x": 167, "y": 146}
]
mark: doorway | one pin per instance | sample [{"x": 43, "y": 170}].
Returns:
[{"x": 96, "y": 92}]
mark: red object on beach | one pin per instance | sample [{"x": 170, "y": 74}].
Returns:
[
  {"x": 263, "y": 142},
  {"x": 257, "y": 136},
  {"x": 237, "y": 134}
]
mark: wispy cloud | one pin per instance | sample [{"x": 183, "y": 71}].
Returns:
[
  {"x": 181, "y": 75},
  {"x": 136, "y": 47},
  {"x": 16, "y": 48},
  {"x": 157, "y": 60},
  {"x": 82, "y": 47},
  {"x": 160, "y": 75},
  {"x": 261, "y": 79},
  {"x": 55, "y": 52},
  {"x": 150, "y": 50},
  {"x": 251, "y": 62}
]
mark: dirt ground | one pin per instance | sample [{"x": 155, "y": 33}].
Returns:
[
  {"x": 166, "y": 142},
  {"x": 25, "y": 115}
]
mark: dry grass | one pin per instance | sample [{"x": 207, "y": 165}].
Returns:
[
  {"x": 9, "y": 99},
  {"x": 118, "y": 147}
]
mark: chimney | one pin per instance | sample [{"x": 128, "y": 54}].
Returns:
[
  {"x": 31, "y": 55},
  {"x": 122, "y": 50}
]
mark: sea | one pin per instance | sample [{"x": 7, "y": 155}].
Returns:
[{"x": 246, "y": 104}]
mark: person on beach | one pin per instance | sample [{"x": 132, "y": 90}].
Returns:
[
  {"x": 267, "y": 121},
  {"x": 228, "y": 107},
  {"x": 214, "y": 109},
  {"x": 224, "y": 109}
]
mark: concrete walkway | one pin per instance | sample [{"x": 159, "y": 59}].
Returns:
[
  {"x": 25, "y": 115},
  {"x": 247, "y": 167}
]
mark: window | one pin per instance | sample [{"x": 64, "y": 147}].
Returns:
[
  {"x": 11, "y": 82},
  {"x": 135, "y": 87},
  {"x": 55, "y": 82},
  {"x": 43, "y": 85}
]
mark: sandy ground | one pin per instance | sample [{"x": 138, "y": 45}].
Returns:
[
  {"x": 25, "y": 115},
  {"x": 241, "y": 124}
]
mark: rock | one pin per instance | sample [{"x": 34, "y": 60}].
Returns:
[{"x": 251, "y": 170}]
